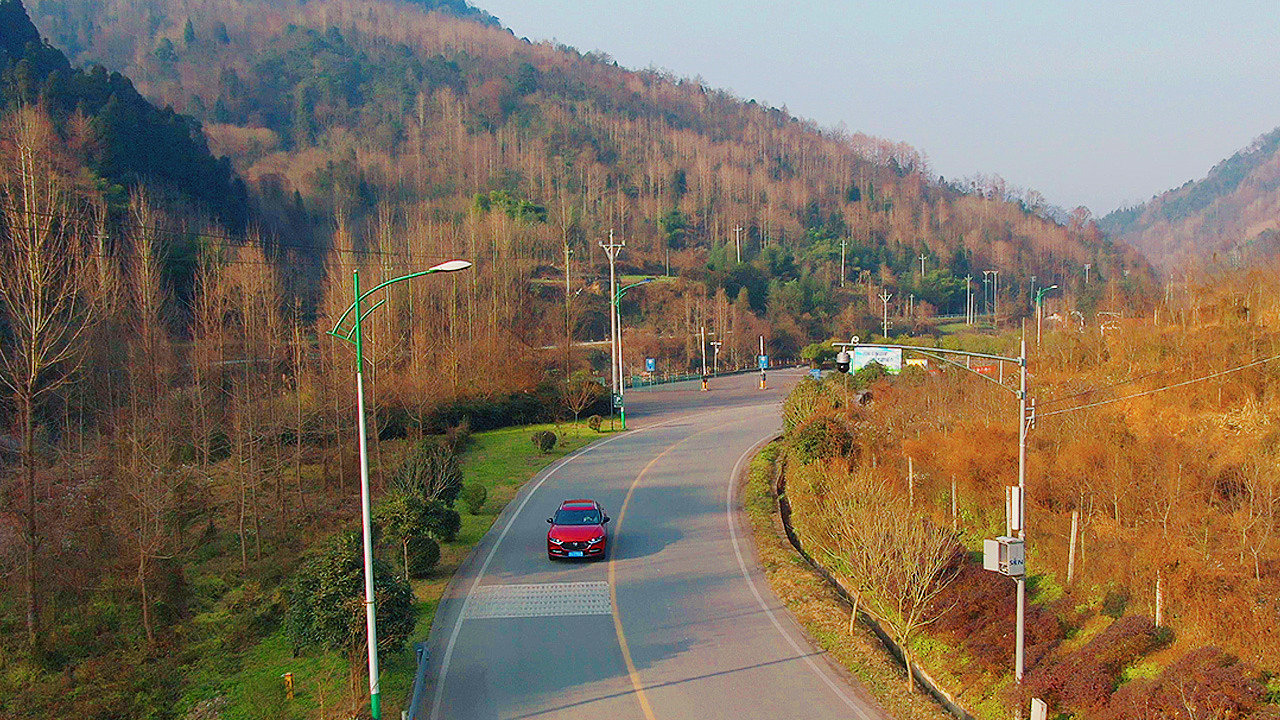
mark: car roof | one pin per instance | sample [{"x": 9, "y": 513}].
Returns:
[{"x": 579, "y": 504}]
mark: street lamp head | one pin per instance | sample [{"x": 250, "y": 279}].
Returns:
[{"x": 450, "y": 266}]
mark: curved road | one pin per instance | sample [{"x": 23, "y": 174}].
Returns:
[{"x": 676, "y": 623}]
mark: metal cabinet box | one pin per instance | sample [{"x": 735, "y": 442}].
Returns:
[{"x": 1005, "y": 555}]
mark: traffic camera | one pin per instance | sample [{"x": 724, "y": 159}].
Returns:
[{"x": 842, "y": 361}]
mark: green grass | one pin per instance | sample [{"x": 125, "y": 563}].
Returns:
[
  {"x": 628, "y": 279},
  {"x": 325, "y": 681},
  {"x": 1141, "y": 671},
  {"x": 1044, "y": 589}
]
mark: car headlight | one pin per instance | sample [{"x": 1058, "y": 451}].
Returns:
[
  {"x": 596, "y": 541},
  {"x": 555, "y": 541}
]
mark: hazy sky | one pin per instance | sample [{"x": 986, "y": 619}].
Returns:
[{"x": 1092, "y": 103}]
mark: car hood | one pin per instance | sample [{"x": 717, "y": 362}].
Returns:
[{"x": 575, "y": 533}]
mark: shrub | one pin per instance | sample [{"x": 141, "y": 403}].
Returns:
[
  {"x": 803, "y": 402},
  {"x": 402, "y": 516},
  {"x": 458, "y": 437},
  {"x": 544, "y": 440},
  {"x": 822, "y": 437},
  {"x": 594, "y": 422},
  {"x": 326, "y": 599},
  {"x": 424, "y": 554},
  {"x": 1115, "y": 603},
  {"x": 818, "y": 353},
  {"x": 981, "y": 619},
  {"x": 868, "y": 374},
  {"x": 442, "y": 522},
  {"x": 473, "y": 496},
  {"x": 1084, "y": 680},
  {"x": 1203, "y": 683},
  {"x": 431, "y": 472}
]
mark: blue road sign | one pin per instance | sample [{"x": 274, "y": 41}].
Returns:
[
  {"x": 816, "y": 373},
  {"x": 764, "y": 361},
  {"x": 650, "y": 364}
]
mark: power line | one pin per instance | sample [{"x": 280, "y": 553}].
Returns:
[
  {"x": 1161, "y": 389},
  {"x": 1118, "y": 383}
]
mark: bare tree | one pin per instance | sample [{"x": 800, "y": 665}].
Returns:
[
  {"x": 147, "y": 484},
  {"x": 44, "y": 304},
  {"x": 898, "y": 560},
  {"x": 580, "y": 390},
  {"x": 208, "y": 341}
]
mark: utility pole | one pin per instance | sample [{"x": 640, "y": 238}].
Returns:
[
  {"x": 1015, "y": 514},
  {"x": 986, "y": 292},
  {"x": 923, "y": 257},
  {"x": 715, "y": 357},
  {"x": 968, "y": 299},
  {"x": 844, "y": 241},
  {"x": 995, "y": 299},
  {"x": 884, "y": 298},
  {"x": 1086, "y": 272},
  {"x": 611, "y": 250},
  {"x": 737, "y": 241},
  {"x": 1024, "y": 421},
  {"x": 995, "y": 294},
  {"x": 568, "y": 314}
]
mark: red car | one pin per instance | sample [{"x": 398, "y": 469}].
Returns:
[{"x": 577, "y": 530}]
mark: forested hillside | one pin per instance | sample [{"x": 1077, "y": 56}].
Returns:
[
  {"x": 1231, "y": 215},
  {"x": 121, "y": 137},
  {"x": 386, "y": 123}
]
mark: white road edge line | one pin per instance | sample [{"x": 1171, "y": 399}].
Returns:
[
  {"x": 462, "y": 611},
  {"x": 746, "y": 574}
]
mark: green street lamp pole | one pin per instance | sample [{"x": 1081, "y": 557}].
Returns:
[
  {"x": 617, "y": 297},
  {"x": 355, "y": 336},
  {"x": 1040, "y": 309}
]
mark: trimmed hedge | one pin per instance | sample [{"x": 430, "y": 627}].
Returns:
[{"x": 543, "y": 404}]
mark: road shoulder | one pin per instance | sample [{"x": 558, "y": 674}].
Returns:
[{"x": 858, "y": 657}]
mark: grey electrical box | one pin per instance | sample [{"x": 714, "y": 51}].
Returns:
[{"x": 1005, "y": 555}]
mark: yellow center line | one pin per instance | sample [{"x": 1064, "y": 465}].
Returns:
[{"x": 645, "y": 707}]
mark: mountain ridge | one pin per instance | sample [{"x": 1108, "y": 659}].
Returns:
[{"x": 1230, "y": 214}]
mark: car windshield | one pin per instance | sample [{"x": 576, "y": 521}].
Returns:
[{"x": 577, "y": 517}]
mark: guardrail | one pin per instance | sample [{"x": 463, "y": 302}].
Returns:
[
  {"x": 419, "y": 683},
  {"x": 639, "y": 382}
]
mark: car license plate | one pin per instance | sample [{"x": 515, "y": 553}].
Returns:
[{"x": 575, "y": 553}]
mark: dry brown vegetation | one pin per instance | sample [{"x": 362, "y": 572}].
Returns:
[
  {"x": 1177, "y": 495},
  {"x": 388, "y": 121}
]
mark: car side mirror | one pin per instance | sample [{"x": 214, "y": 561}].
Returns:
[
  {"x": 551, "y": 520},
  {"x": 606, "y": 518}
]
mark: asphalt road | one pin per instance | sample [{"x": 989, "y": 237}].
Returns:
[{"x": 676, "y": 623}]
